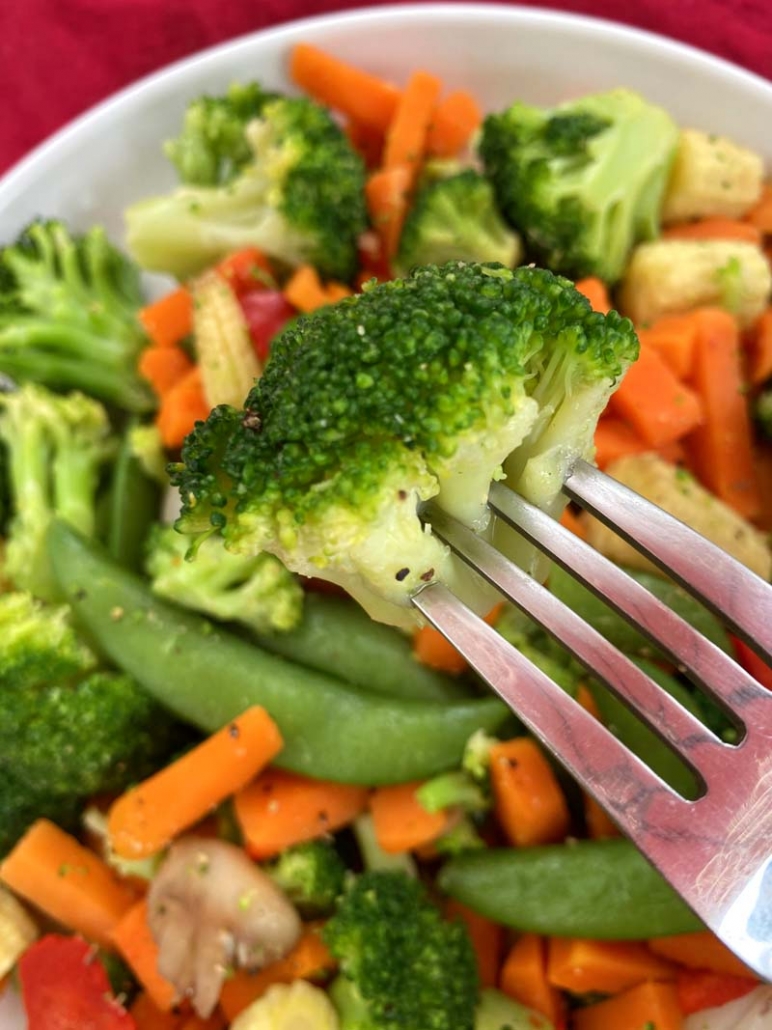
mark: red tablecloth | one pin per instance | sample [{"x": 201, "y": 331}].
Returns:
[{"x": 57, "y": 57}]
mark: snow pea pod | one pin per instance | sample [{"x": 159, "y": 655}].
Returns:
[
  {"x": 133, "y": 505},
  {"x": 207, "y": 676}
]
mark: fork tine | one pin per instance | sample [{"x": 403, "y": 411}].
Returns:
[{"x": 736, "y": 594}]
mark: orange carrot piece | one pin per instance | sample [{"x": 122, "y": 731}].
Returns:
[
  {"x": 701, "y": 950},
  {"x": 596, "y": 292},
  {"x": 281, "y": 808},
  {"x": 170, "y": 319},
  {"x": 699, "y": 989},
  {"x": 364, "y": 98},
  {"x": 720, "y": 449},
  {"x": 136, "y": 944},
  {"x": 654, "y": 403},
  {"x": 582, "y": 966},
  {"x": 400, "y": 821},
  {"x": 406, "y": 135},
  {"x": 304, "y": 289},
  {"x": 762, "y": 464},
  {"x": 181, "y": 407},
  {"x": 570, "y": 520},
  {"x": 337, "y": 291},
  {"x": 528, "y": 802},
  {"x": 714, "y": 229},
  {"x": 245, "y": 266},
  {"x": 216, "y": 1021},
  {"x": 164, "y": 367},
  {"x": 308, "y": 960},
  {"x": 148, "y": 1016},
  {"x": 66, "y": 881},
  {"x": 524, "y": 978},
  {"x": 386, "y": 193},
  {"x": 148, "y": 817},
  {"x": 368, "y": 143},
  {"x": 615, "y": 439},
  {"x": 454, "y": 121},
  {"x": 674, "y": 337},
  {"x": 761, "y": 214},
  {"x": 759, "y": 360},
  {"x": 487, "y": 940},
  {"x": 650, "y": 1004},
  {"x": 431, "y": 648}
]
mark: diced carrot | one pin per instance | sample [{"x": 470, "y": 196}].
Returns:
[
  {"x": 281, "y": 808},
  {"x": 654, "y": 403},
  {"x": 487, "y": 940},
  {"x": 584, "y": 966},
  {"x": 149, "y": 816},
  {"x": 308, "y": 960},
  {"x": 615, "y": 439},
  {"x": 406, "y": 136},
  {"x": 148, "y": 1016},
  {"x": 674, "y": 337},
  {"x": 700, "y": 989},
  {"x": 364, "y": 98},
  {"x": 431, "y": 648},
  {"x": 245, "y": 269},
  {"x": 759, "y": 350},
  {"x": 337, "y": 291},
  {"x": 524, "y": 978},
  {"x": 66, "y": 881},
  {"x": 386, "y": 193},
  {"x": 596, "y": 291},
  {"x": 304, "y": 289},
  {"x": 136, "y": 944},
  {"x": 714, "y": 229},
  {"x": 400, "y": 822},
  {"x": 164, "y": 367},
  {"x": 528, "y": 802},
  {"x": 650, "y": 1004},
  {"x": 720, "y": 449},
  {"x": 701, "y": 950},
  {"x": 600, "y": 825},
  {"x": 181, "y": 407},
  {"x": 216, "y": 1021},
  {"x": 675, "y": 452},
  {"x": 454, "y": 121},
  {"x": 761, "y": 214},
  {"x": 169, "y": 319},
  {"x": 570, "y": 520}
]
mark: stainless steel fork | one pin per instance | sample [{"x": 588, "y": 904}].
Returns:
[{"x": 716, "y": 850}]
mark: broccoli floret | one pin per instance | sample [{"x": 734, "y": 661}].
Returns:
[
  {"x": 455, "y": 789},
  {"x": 299, "y": 199},
  {"x": 417, "y": 388},
  {"x": 762, "y": 411},
  {"x": 312, "y": 876},
  {"x": 454, "y": 217},
  {"x": 401, "y": 964},
  {"x": 257, "y": 591},
  {"x": 212, "y": 148},
  {"x": 583, "y": 181},
  {"x": 58, "y": 446},
  {"x": 68, "y": 315}
]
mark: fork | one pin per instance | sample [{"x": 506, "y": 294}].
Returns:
[{"x": 715, "y": 850}]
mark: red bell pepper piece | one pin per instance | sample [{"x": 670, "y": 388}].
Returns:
[
  {"x": 700, "y": 989},
  {"x": 752, "y": 664},
  {"x": 266, "y": 313}
]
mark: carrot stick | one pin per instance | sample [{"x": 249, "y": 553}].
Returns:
[
  {"x": 761, "y": 215},
  {"x": 368, "y": 143},
  {"x": 148, "y": 1016},
  {"x": 181, "y": 407},
  {"x": 400, "y": 821},
  {"x": 170, "y": 319},
  {"x": 582, "y": 966},
  {"x": 701, "y": 950},
  {"x": 654, "y": 403},
  {"x": 455, "y": 120},
  {"x": 68, "y": 882},
  {"x": 386, "y": 193},
  {"x": 406, "y": 135},
  {"x": 308, "y": 960},
  {"x": 700, "y": 989},
  {"x": 674, "y": 337},
  {"x": 487, "y": 939},
  {"x": 528, "y": 801},
  {"x": 133, "y": 939},
  {"x": 649, "y": 1004},
  {"x": 304, "y": 289},
  {"x": 714, "y": 229},
  {"x": 149, "y": 816},
  {"x": 596, "y": 292},
  {"x": 362, "y": 97},
  {"x": 720, "y": 450},
  {"x": 615, "y": 439},
  {"x": 281, "y": 808},
  {"x": 759, "y": 359},
  {"x": 164, "y": 367},
  {"x": 600, "y": 826},
  {"x": 524, "y": 978}
]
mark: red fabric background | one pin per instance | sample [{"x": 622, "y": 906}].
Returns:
[{"x": 58, "y": 57}]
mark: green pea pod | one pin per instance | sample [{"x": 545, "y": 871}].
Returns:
[
  {"x": 207, "y": 676},
  {"x": 599, "y": 889},
  {"x": 133, "y": 505}
]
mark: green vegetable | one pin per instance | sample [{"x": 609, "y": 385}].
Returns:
[
  {"x": 762, "y": 412},
  {"x": 299, "y": 198},
  {"x": 401, "y": 963},
  {"x": 208, "y": 676},
  {"x": 372, "y": 854},
  {"x": 135, "y": 498},
  {"x": 419, "y": 387},
  {"x": 496, "y": 1011},
  {"x": 600, "y": 889},
  {"x": 68, "y": 307},
  {"x": 312, "y": 876},
  {"x": 583, "y": 181}
]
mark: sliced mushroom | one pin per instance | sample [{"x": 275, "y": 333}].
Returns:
[{"x": 210, "y": 908}]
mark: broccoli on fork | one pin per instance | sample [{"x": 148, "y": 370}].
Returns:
[{"x": 418, "y": 388}]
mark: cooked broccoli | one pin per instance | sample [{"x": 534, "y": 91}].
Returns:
[
  {"x": 299, "y": 199},
  {"x": 212, "y": 148},
  {"x": 454, "y": 217},
  {"x": 255, "y": 590},
  {"x": 401, "y": 964},
  {"x": 58, "y": 446},
  {"x": 417, "y": 388},
  {"x": 5, "y": 489},
  {"x": 312, "y": 876},
  {"x": 72, "y": 728},
  {"x": 372, "y": 854},
  {"x": 68, "y": 315},
  {"x": 455, "y": 789},
  {"x": 762, "y": 411},
  {"x": 583, "y": 181},
  {"x": 496, "y": 1011}
]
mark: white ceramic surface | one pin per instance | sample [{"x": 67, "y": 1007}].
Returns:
[{"x": 111, "y": 156}]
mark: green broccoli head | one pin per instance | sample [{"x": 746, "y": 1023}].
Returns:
[
  {"x": 58, "y": 446},
  {"x": 419, "y": 387},
  {"x": 68, "y": 315},
  {"x": 454, "y": 217},
  {"x": 256, "y": 590},
  {"x": 583, "y": 181},
  {"x": 212, "y": 147},
  {"x": 312, "y": 875},
  {"x": 401, "y": 964},
  {"x": 300, "y": 198},
  {"x": 762, "y": 410}
]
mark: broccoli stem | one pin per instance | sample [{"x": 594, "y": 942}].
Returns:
[
  {"x": 452, "y": 789},
  {"x": 72, "y": 373}
]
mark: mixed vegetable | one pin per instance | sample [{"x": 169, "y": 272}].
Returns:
[{"x": 240, "y": 784}]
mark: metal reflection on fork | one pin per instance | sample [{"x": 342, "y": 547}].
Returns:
[{"x": 716, "y": 850}]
